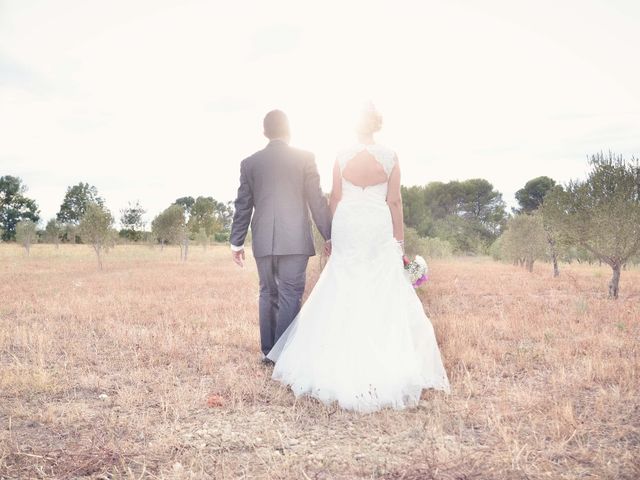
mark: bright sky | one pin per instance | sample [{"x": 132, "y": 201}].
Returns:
[{"x": 157, "y": 99}]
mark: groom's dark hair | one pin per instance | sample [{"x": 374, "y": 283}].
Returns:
[{"x": 276, "y": 124}]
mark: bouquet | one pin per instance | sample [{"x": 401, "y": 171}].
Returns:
[{"x": 416, "y": 271}]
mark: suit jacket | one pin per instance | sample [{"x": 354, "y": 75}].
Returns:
[{"x": 279, "y": 185}]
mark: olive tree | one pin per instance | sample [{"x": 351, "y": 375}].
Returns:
[
  {"x": 202, "y": 239},
  {"x": 96, "y": 229},
  {"x": 602, "y": 213},
  {"x": 170, "y": 227},
  {"x": 26, "y": 232},
  {"x": 132, "y": 221},
  {"x": 524, "y": 240},
  {"x": 531, "y": 198},
  {"x": 53, "y": 232}
]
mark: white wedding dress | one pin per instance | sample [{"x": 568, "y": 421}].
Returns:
[{"x": 362, "y": 337}]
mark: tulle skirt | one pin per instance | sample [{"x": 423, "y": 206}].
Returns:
[{"x": 362, "y": 338}]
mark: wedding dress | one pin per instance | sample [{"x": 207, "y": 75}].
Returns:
[{"x": 362, "y": 337}]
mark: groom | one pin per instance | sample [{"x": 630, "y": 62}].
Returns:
[{"x": 279, "y": 185}]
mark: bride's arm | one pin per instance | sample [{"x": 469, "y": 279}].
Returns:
[
  {"x": 394, "y": 200},
  {"x": 336, "y": 189}
]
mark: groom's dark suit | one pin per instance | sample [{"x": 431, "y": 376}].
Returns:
[{"x": 279, "y": 185}]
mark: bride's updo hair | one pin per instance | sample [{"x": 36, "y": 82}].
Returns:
[{"x": 370, "y": 120}]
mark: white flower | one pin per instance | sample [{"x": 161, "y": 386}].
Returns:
[{"x": 422, "y": 262}]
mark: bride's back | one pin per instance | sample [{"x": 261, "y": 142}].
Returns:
[
  {"x": 364, "y": 170},
  {"x": 366, "y": 165}
]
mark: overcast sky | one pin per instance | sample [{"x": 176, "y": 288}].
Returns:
[{"x": 155, "y": 99}]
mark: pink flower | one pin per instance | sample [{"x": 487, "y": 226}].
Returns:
[{"x": 420, "y": 281}]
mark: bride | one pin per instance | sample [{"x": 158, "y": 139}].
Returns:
[{"x": 362, "y": 337}]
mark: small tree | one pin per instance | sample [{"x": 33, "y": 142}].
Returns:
[
  {"x": 202, "y": 239},
  {"x": 524, "y": 241},
  {"x": 132, "y": 221},
  {"x": 531, "y": 199},
  {"x": 159, "y": 231},
  {"x": 96, "y": 229},
  {"x": 170, "y": 227},
  {"x": 552, "y": 241},
  {"x": 602, "y": 213},
  {"x": 53, "y": 232},
  {"x": 26, "y": 232}
]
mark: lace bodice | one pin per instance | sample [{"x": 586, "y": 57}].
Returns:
[{"x": 383, "y": 155}]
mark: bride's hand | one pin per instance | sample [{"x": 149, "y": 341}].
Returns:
[{"x": 327, "y": 248}]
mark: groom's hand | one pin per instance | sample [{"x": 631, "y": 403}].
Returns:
[{"x": 238, "y": 257}]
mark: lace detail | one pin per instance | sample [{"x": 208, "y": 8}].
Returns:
[{"x": 383, "y": 155}]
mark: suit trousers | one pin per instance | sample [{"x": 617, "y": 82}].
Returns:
[{"x": 282, "y": 281}]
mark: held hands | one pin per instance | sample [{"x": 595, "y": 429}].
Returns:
[
  {"x": 238, "y": 257},
  {"x": 327, "y": 248}
]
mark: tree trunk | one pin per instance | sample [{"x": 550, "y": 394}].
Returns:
[
  {"x": 27, "y": 247},
  {"x": 186, "y": 248},
  {"x": 530, "y": 263},
  {"x": 614, "y": 284},
  {"x": 99, "y": 255},
  {"x": 554, "y": 255}
]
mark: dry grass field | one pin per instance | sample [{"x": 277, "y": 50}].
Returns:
[{"x": 150, "y": 369}]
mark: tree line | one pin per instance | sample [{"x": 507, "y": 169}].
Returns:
[
  {"x": 84, "y": 218},
  {"x": 591, "y": 220},
  {"x": 596, "y": 219},
  {"x": 469, "y": 215}
]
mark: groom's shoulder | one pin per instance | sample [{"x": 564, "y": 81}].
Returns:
[
  {"x": 303, "y": 154},
  {"x": 252, "y": 158},
  {"x": 288, "y": 152}
]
